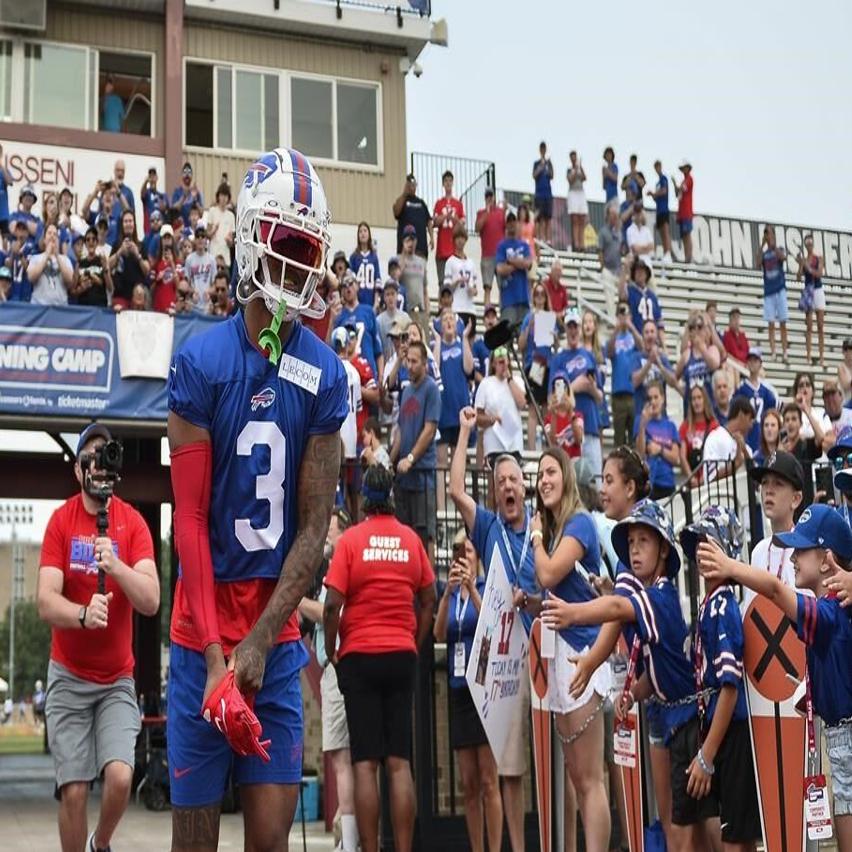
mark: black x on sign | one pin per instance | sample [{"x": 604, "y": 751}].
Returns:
[{"x": 774, "y": 656}]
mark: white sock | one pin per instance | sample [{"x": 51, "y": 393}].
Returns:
[{"x": 349, "y": 832}]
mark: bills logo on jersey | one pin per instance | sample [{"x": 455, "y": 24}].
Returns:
[
  {"x": 261, "y": 169},
  {"x": 263, "y": 399}
]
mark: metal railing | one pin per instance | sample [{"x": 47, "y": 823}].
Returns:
[
  {"x": 471, "y": 177},
  {"x": 419, "y": 8}
]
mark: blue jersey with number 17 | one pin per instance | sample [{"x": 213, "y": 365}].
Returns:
[{"x": 259, "y": 417}]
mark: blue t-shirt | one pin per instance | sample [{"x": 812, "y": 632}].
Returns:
[
  {"x": 662, "y": 201},
  {"x": 623, "y": 359},
  {"x": 644, "y": 305},
  {"x": 761, "y": 399},
  {"x": 455, "y": 394},
  {"x": 572, "y": 363},
  {"x": 542, "y": 181},
  {"x": 721, "y": 630},
  {"x": 514, "y": 290},
  {"x": 436, "y": 324},
  {"x": 573, "y": 587},
  {"x": 418, "y": 405},
  {"x": 610, "y": 185},
  {"x": 773, "y": 273},
  {"x": 184, "y": 199},
  {"x": 365, "y": 265},
  {"x": 462, "y": 616},
  {"x": 663, "y": 432},
  {"x": 481, "y": 356},
  {"x": 112, "y": 113},
  {"x": 259, "y": 417},
  {"x": 533, "y": 351},
  {"x": 27, "y": 218},
  {"x": 826, "y": 630},
  {"x": 640, "y": 394},
  {"x": 487, "y": 533},
  {"x": 153, "y": 199},
  {"x": 369, "y": 339},
  {"x": 5, "y": 183},
  {"x": 662, "y": 632}
]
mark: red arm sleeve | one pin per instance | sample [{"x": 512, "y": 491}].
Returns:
[{"x": 192, "y": 466}]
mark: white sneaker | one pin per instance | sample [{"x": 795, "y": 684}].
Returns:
[{"x": 90, "y": 845}]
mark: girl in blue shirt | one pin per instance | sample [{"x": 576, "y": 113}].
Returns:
[
  {"x": 455, "y": 624},
  {"x": 657, "y": 440},
  {"x": 364, "y": 262},
  {"x": 567, "y": 553}
]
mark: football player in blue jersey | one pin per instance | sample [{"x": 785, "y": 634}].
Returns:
[{"x": 255, "y": 409}]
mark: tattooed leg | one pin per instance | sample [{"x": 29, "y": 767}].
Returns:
[{"x": 195, "y": 829}]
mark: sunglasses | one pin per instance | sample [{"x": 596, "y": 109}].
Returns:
[{"x": 842, "y": 462}]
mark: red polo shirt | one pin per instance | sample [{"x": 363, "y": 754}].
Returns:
[{"x": 444, "y": 206}]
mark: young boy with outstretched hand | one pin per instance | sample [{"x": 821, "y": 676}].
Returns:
[
  {"x": 822, "y": 546},
  {"x": 647, "y": 603},
  {"x": 723, "y": 768}
]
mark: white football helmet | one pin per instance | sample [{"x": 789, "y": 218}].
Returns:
[{"x": 282, "y": 234}]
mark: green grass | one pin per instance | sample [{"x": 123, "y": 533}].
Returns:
[{"x": 21, "y": 743}]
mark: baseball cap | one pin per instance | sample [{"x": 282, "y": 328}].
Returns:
[
  {"x": 572, "y": 315},
  {"x": 782, "y": 464},
  {"x": 409, "y": 231},
  {"x": 167, "y": 231},
  {"x": 398, "y": 327},
  {"x": 445, "y": 288},
  {"x": 201, "y": 231},
  {"x": 28, "y": 190},
  {"x": 819, "y": 526},
  {"x": 684, "y": 164},
  {"x": 755, "y": 352},
  {"x": 410, "y": 177},
  {"x": 391, "y": 284},
  {"x": 490, "y": 309},
  {"x": 644, "y": 260},
  {"x": 93, "y": 430},
  {"x": 843, "y": 481},
  {"x": 155, "y": 214},
  {"x": 844, "y": 442},
  {"x": 340, "y": 338},
  {"x": 348, "y": 278},
  {"x": 393, "y": 263},
  {"x": 340, "y": 255},
  {"x": 489, "y": 191}
]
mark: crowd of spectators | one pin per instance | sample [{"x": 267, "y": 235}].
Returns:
[{"x": 127, "y": 250}]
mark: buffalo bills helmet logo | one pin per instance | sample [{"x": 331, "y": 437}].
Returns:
[
  {"x": 261, "y": 169},
  {"x": 263, "y": 399}
]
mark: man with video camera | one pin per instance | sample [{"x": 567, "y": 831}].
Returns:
[{"x": 97, "y": 567}]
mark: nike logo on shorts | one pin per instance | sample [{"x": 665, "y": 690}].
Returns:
[{"x": 179, "y": 773}]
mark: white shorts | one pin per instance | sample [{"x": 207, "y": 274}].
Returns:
[
  {"x": 335, "y": 733},
  {"x": 819, "y": 299},
  {"x": 577, "y": 204},
  {"x": 561, "y": 673},
  {"x": 775, "y": 307},
  {"x": 513, "y": 763}
]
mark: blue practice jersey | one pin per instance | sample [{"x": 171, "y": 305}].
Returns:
[
  {"x": 826, "y": 630},
  {"x": 662, "y": 631},
  {"x": 721, "y": 629},
  {"x": 259, "y": 417},
  {"x": 572, "y": 363},
  {"x": 369, "y": 339},
  {"x": 644, "y": 305},
  {"x": 761, "y": 399},
  {"x": 773, "y": 273},
  {"x": 368, "y": 271}
]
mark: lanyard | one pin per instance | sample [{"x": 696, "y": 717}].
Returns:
[
  {"x": 516, "y": 567},
  {"x": 460, "y": 611},
  {"x": 631, "y": 666},
  {"x": 809, "y": 714},
  {"x": 780, "y": 568},
  {"x": 698, "y": 664}
]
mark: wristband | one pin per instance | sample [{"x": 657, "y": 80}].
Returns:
[
  {"x": 708, "y": 768},
  {"x": 536, "y": 534}
]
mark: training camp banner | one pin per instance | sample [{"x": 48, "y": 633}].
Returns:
[
  {"x": 67, "y": 361},
  {"x": 717, "y": 240}
]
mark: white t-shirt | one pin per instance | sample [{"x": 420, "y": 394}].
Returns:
[
  {"x": 225, "y": 220},
  {"x": 807, "y": 431},
  {"x": 639, "y": 236},
  {"x": 494, "y": 397},
  {"x": 349, "y": 429},
  {"x": 49, "y": 288},
  {"x": 767, "y": 556},
  {"x": 720, "y": 446},
  {"x": 463, "y": 277}
]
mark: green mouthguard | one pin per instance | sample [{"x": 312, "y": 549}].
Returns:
[{"x": 268, "y": 338}]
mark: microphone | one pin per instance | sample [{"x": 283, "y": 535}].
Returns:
[{"x": 500, "y": 334}]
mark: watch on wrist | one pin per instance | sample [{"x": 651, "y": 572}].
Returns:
[
  {"x": 410, "y": 458},
  {"x": 81, "y": 617}
]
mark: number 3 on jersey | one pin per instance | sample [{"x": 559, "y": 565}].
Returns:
[{"x": 268, "y": 486}]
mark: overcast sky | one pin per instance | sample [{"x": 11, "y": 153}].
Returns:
[{"x": 756, "y": 94}]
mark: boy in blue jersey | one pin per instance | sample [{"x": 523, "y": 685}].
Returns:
[
  {"x": 660, "y": 194},
  {"x": 363, "y": 318},
  {"x": 255, "y": 408},
  {"x": 647, "y": 603},
  {"x": 822, "y": 548},
  {"x": 758, "y": 393},
  {"x": 723, "y": 768},
  {"x": 514, "y": 262},
  {"x": 580, "y": 367},
  {"x": 771, "y": 259}
]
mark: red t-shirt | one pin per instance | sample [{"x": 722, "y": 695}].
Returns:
[
  {"x": 684, "y": 207},
  {"x": 492, "y": 231},
  {"x": 736, "y": 344},
  {"x": 694, "y": 438},
  {"x": 368, "y": 380},
  {"x": 101, "y": 656},
  {"x": 562, "y": 432},
  {"x": 558, "y": 295},
  {"x": 444, "y": 206},
  {"x": 165, "y": 286},
  {"x": 379, "y": 566}
]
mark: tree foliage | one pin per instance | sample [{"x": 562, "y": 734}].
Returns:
[{"x": 32, "y": 648}]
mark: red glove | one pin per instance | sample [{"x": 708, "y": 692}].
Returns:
[{"x": 233, "y": 716}]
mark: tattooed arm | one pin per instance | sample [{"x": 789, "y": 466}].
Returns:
[{"x": 318, "y": 475}]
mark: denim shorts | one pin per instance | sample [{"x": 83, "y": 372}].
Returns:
[
  {"x": 838, "y": 743},
  {"x": 775, "y": 307}
]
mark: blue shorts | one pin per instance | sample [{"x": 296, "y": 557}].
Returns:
[
  {"x": 775, "y": 306},
  {"x": 684, "y": 226},
  {"x": 543, "y": 206},
  {"x": 200, "y": 759}
]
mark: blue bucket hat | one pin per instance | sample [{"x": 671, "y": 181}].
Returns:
[
  {"x": 819, "y": 526},
  {"x": 716, "y": 523},
  {"x": 843, "y": 444},
  {"x": 649, "y": 514},
  {"x": 843, "y": 481}
]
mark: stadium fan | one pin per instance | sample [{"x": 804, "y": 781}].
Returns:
[
  {"x": 543, "y": 199},
  {"x": 89, "y": 585},
  {"x": 50, "y": 273},
  {"x": 683, "y": 191},
  {"x": 557, "y": 292},
  {"x": 413, "y": 278},
  {"x": 699, "y": 357},
  {"x": 499, "y": 401},
  {"x": 839, "y": 417},
  {"x": 455, "y": 624},
  {"x": 812, "y": 267},
  {"x": 258, "y": 379},
  {"x": 126, "y": 264},
  {"x": 844, "y": 372},
  {"x": 563, "y": 424},
  {"x": 771, "y": 258},
  {"x": 5, "y": 182},
  {"x": 635, "y": 288},
  {"x": 771, "y": 426},
  {"x": 803, "y": 394},
  {"x": 658, "y": 442},
  {"x": 411, "y": 210},
  {"x": 221, "y": 224},
  {"x": 806, "y": 450},
  {"x": 725, "y": 446},
  {"x": 378, "y": 571},
  {"x": 363, "y": 319},
  {"x": 660, "y": 194},
  {"x": 374, "y": 451},
  {"x": 186, "y": 194},
  {"x": 462, "y": 276},
  {"x": 514, "y": 262},
  {"x": 735, "y": 339},
  {"x": 153, "y": 200},
  {"x": 391, "y": 314},
  {"x": 491, "y": 228},
  {"x": 200, "y": 268},
  {"x": 609, "y": 173},
  {"x": 650, "y": 365},
  {"x": 721, "y": 384},
  {"x": 93, "y": 284},
  {"x": 364, "y": 262},
  {"x": 26, "y": 201},
  {"x": 640, "y": 240},
  {"x": 448, "y": 213},
  {"x": 761, "y": 394},
  {"x": 609, "y": 255},
  {"x": 452, "y": 351},
  {"x": 578, "y": 207}
]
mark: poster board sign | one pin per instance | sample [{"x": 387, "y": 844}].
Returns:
[{"x": 498, "y": 662}]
